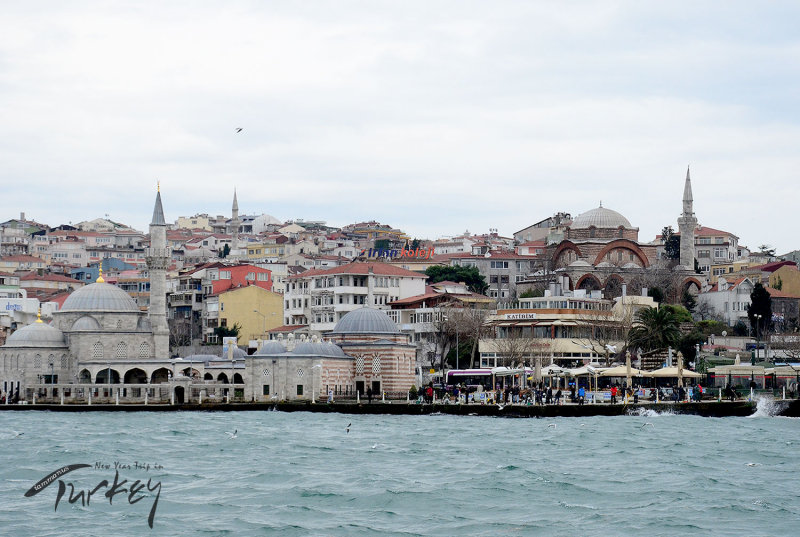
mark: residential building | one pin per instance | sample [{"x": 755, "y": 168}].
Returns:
[
  {"x": 321, "y": 297},
  {"x": 254, "y": 309},
  {"x": 727, "y": 300}
]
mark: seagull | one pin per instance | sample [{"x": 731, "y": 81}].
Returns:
[
  {"x": 374, "y": 446},
  {"x": 16, "y": 434},
  {"x": 238, "y": 129},
  {"x": 612, "y": 348},
  {"x": 583, "y": 425},
  {"x": 347, "y": 429},
  {"x": 553, "y": 425},
  {"x": 500, "y": 407},
  {"x": 646, "y": 424},
  {"x": 753, "y": 464},
  {"x": 233, "y": 434}
]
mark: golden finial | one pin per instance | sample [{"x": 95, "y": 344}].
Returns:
[
  {"x": 100, "y": 278},
  {"x": 158, "y": 186},
  {"x": 39, "y": 316}
]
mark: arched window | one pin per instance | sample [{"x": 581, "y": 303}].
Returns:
[
  {"x": 376, "y": 365},
  {"x": 122, "y": 351},
  {"x": 144, "y": 350},
  {"x": 97, "y": 350},
  {"x": 359, "y": 365},
  {"x": 37, "y": 361}
]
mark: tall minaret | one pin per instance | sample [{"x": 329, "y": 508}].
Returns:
[
  {"x": 235, "y": 222},
  {"x": 158, "y": 257},
  {"x": 687, "y": 224}
]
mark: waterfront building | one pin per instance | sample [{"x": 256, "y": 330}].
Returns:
[{"x": 321, "y": 297}]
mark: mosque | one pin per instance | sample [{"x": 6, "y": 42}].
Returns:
[
  {"x": 600, "y": 250},
  {"x": 100, "y": 347}
]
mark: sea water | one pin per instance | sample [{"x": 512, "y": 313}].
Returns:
[{"x": 334, "y": 474}]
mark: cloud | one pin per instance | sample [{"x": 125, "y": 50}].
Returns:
[{"x": 433, "y": 117}]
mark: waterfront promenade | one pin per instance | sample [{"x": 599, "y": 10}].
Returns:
[{"x": 789, "y": 408}]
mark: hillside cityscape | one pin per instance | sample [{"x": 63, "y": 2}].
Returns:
[{"x": 368, "y": 307}]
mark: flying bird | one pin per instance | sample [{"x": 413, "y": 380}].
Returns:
[
  {"x": 238, "y": 129},
  {"x": 347, "y": 429},
  {"x": 646, "y": 424},
  {"x": 233, "y": 434},
  {"x": 553, "y": 425}
]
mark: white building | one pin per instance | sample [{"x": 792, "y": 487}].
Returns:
[
  {"x": 321, "y": 297},
  {"x": 728, "y": 299}
]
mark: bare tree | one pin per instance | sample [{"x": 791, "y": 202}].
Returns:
[
  {"x": 788, "y": 344},
  {"x": 597, "y": 330}
]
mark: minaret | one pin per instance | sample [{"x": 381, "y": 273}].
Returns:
[
  {"x": 687, "y": 224},
  {"x": 235, "y": 222},
  {"x": 158, "y": 257}
]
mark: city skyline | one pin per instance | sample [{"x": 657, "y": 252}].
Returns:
[{"x": 433, "y": 118}]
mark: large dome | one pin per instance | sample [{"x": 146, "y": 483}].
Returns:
[
  {"x": 366, "y": 321},
  {"x": 600, "y": 218},
  {"x": 270, "y": 347},
  {"x": 36, "y": 335},
  {"x": 100, "y": 297}
]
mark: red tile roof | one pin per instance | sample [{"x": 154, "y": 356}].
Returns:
[
  {"x": 379, "y": 269},
  {"x": 32, "y": 276},
  {"x": 22, "y": 259},
  {"x": 774, "y": 293},
  {"x": 288, "y": 328}
]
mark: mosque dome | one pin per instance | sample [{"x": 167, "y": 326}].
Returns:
[
  {"x": 366, "y": 321},
  {"x": 270, "y": 348},
  {"x": 36, "y": 335},
  {"x": 86, "y": 323},
  {"x": 600, "y": 218},
  {"x": 314, "y": 348},
  {"x": 100, "y": 297}
]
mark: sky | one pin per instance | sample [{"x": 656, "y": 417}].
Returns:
[{"x": 435, "y": 117}]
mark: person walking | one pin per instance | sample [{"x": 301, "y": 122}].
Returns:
[
  {"x": 581, "y": 395},
  {"x": 369, "y": 395}
]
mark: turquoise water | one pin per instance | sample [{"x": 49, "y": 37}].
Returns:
[{"x": 304, "y": 474}]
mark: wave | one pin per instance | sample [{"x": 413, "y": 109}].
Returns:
[
  {"x": 649, "y": 412},
  {"x": 767, "y": 407}
]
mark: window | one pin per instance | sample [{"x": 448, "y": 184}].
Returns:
[
  {"x": 719, "y": 252},
  {"x": 499, "y": 264},
  {"x": 224, "y": 274},
  {"x": 299, "y": 389},
  {"x": 250, "y": 276},
  {"x": 265, "y": 390},
  {"x": 263, "y": 277}
]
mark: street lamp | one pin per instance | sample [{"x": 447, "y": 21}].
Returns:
[
  {"x": 758, "y": 322},
  {"x": 52, "y": 368},
  {"x": 264, "y": 323}
]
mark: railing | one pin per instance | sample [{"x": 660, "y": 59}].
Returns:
[{"x": 127, "y": 393}]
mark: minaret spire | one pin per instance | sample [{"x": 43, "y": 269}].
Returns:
[
  {"x": 687, "y": 224},
  {"x": 158, "y": 257}
]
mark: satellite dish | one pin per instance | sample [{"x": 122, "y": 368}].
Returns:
[{"x": 724, "y": 333}]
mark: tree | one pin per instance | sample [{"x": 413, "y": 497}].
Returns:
[
  {"x": 759, "y": 312},
  {"x": 672, "y": 243},
  {"x": 597, "y": 330},
  {"x": 656, "y": 294},
  {"x": 687, "y": 345},
  {"x": 711, "y": 327},
  {"x": 228, "y": 331},
  {"x": 532, "y": 293},
  {"x": 689, "y": 301},
  {"x": 681, "y": 314},
  {"x": 469, "y": 275},
  {"x": 414, "y": 244},
  {"x": 655, "y": 329},
  {"x": 767, "y": 250},
  {"x": 226, "y": 250}
]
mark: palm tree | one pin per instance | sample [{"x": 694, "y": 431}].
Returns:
[{"x": 655, "y": 329}]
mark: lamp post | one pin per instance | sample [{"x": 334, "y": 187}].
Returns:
[
  {"x": 108, "y": 375},
  {"x": 264, "y": 323},
  {"x": 758, "y": 322}
]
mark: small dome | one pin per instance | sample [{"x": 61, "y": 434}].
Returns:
[
  {"x": 631, "y": 266},
  {"x": 605, "y": 264},
  {"x": 366, "y": 321},
  {"x": 600, "y": 218},
  {"x": 36, "y": 335},
  {"x": 270, "y": 347},
  {"x": 580, "y": 263},
  {"x": 86, "y": 323},
  {"x": 318, "y": 349},
  {"x": 100, "y": 297},
  {"x": 237, "y": 353}
]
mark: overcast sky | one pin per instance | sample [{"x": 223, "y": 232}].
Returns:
[{"x": 431, "y": 116}]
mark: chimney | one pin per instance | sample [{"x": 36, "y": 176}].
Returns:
[
  {"x": 624, "y": 290},
  {"x": 644, "y": 291}
]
